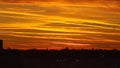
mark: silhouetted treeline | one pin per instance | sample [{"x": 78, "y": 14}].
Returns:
[
  {"x": 65, "y": 58},
  {"x": 63, "y": 54}
]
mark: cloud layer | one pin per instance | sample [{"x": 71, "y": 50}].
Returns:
[
  {"x": 60, "y": 24},
  {"x": 17, "y": 1}
]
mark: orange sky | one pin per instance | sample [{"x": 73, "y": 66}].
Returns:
[{"x": 56, "y": 24}]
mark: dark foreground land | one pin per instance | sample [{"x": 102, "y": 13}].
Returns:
[{"x": 60, "y": 59}]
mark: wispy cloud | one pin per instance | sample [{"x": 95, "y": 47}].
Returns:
[{"x": 57, "y": 24}]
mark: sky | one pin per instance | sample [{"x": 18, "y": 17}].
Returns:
[{"x": 56, "y": 24}]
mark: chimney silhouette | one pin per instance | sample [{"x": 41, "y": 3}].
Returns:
[{"x": 1, "y": 46}]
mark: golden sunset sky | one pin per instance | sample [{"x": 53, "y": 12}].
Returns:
[{"x": 56, "y": 24}]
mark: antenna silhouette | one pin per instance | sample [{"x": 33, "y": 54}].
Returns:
[{"x": 1, "y": 46}]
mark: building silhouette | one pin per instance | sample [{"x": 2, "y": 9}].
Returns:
[{"x": 1, "y": 46}]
